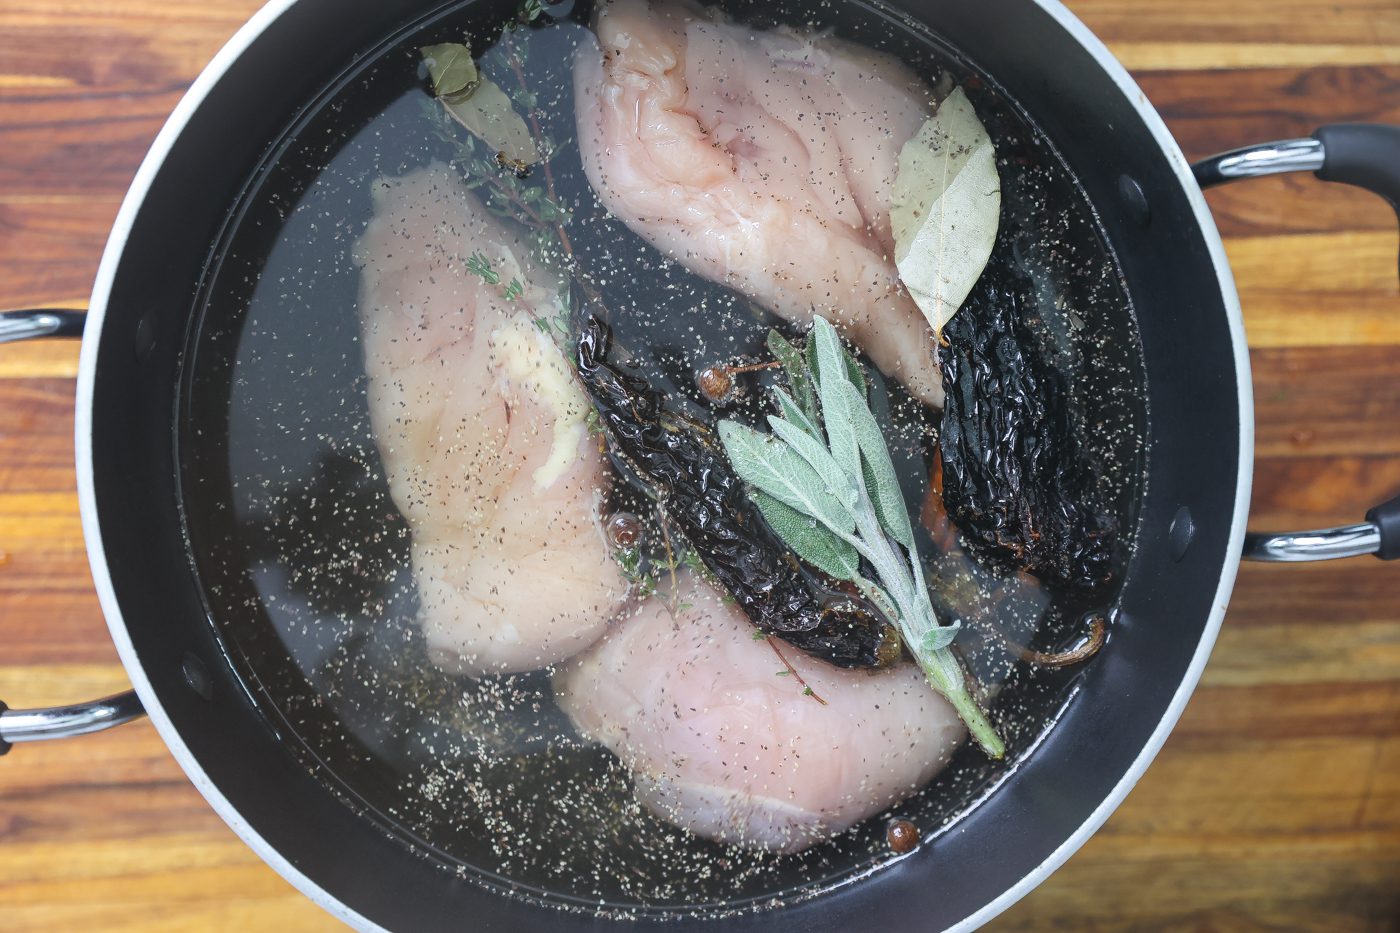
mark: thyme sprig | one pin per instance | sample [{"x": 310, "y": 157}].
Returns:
[
  {"x": 506, "y": 119},
  {"x": 506, "y": 135},
  {"x": 824, "y": 481}
]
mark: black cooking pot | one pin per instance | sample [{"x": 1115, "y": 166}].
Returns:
[{"x": 1189, "y": 541}]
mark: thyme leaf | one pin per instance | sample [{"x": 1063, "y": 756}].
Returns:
[
  {"x": 479, "y": 265},
  {"x": 591, "y": 421}
]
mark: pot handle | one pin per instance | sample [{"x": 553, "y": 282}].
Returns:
[
  {"x": 1366, "y": 155},
  {"x": 57, "y": 722}
]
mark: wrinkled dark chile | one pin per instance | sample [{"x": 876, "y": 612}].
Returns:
[
  {"x": 698, "y": 492},
  {"x": 1018, "y": 481}
]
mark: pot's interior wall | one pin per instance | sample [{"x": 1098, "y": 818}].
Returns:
[
  {"x": 1195, "y": 410},
  {"x": 1193, "y": 463}
]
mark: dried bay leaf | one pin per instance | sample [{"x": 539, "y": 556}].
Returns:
[
  {"x": 945, "y": 208},
  {"x": 451, "y": 67},
  {"x": 489, "y": 115},
  {"x": 478, "y": 103}
]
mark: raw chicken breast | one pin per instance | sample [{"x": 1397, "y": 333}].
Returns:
[
  {"x": 762, "y": 160},
  {"x": 481, "y": 428},
  {"x": 721, "y": 745}
]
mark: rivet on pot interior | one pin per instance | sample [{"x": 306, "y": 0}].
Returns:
[
  {"x": 197, "y": 676},
  {"x": 1135, "y": 200},
  {"x": 1181, "y": 533},
  {"x": 145, "y": 335}
]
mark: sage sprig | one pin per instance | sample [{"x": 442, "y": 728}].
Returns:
[{"x": 824, "y": 481}]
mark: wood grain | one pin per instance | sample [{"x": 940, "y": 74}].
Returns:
[{"x": 1275, "y": 805}]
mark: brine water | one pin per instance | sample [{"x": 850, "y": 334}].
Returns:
[{"x": 304, "y": 558}]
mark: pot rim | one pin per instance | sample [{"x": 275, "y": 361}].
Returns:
[{"x": 83, "y": 420}]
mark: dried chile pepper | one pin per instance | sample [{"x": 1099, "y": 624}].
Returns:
[
  {"x": 1018, "y": 481},
  {"x": 700, "y": 494}
]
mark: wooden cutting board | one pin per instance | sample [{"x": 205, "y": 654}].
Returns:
[{"x": 1275, "y": 804}]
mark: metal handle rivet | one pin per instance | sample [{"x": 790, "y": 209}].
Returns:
[
  {"x": 145, "y": 340},
  {"x": 1134, "y": 200},
  {"x": 197, "y": 676},
  {"x": 1181, "y": 533}
]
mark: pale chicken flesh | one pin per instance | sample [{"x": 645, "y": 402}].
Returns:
[
  {"x": 761, "y": 160},
  {"x": 482, "y": 431},
  {"x": 720, "y": 744}
]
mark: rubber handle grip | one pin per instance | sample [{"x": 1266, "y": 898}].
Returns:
[
  {"x": 1366, "y": 155},
  {"x": 1386, "y": 518},
  {"x": 1363, "y": 154}
]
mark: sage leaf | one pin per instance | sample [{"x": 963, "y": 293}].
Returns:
[
  {"x": 796, "y": 415},
  {"x": 451, "y": 68},
  {"x": 799, "y": 380},
  {"x": 840, "y": 483},
  {"x": 830, "y": 373},
  {"x": 771, "y": 466},
  {"x": 945, "y": 208},
  {"x": 854, "y": 372},
  {"x": 877, "y": 469},
  {"x": 809, "y": 539},
  {"x": 487, "y": 112},
  {"x": 936, "y": 639}
]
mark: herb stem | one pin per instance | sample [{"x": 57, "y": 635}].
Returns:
[
  {"x": 515, "y": 199},
  {"x": 806, "y": 687},
  {"x": 671, "y": 563},
  {"x": 538, "y": 132},
  {"x": 913, "y": 615},
  {"x": 947, "y": 677},
  {"x": 882, "y": 601}
]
